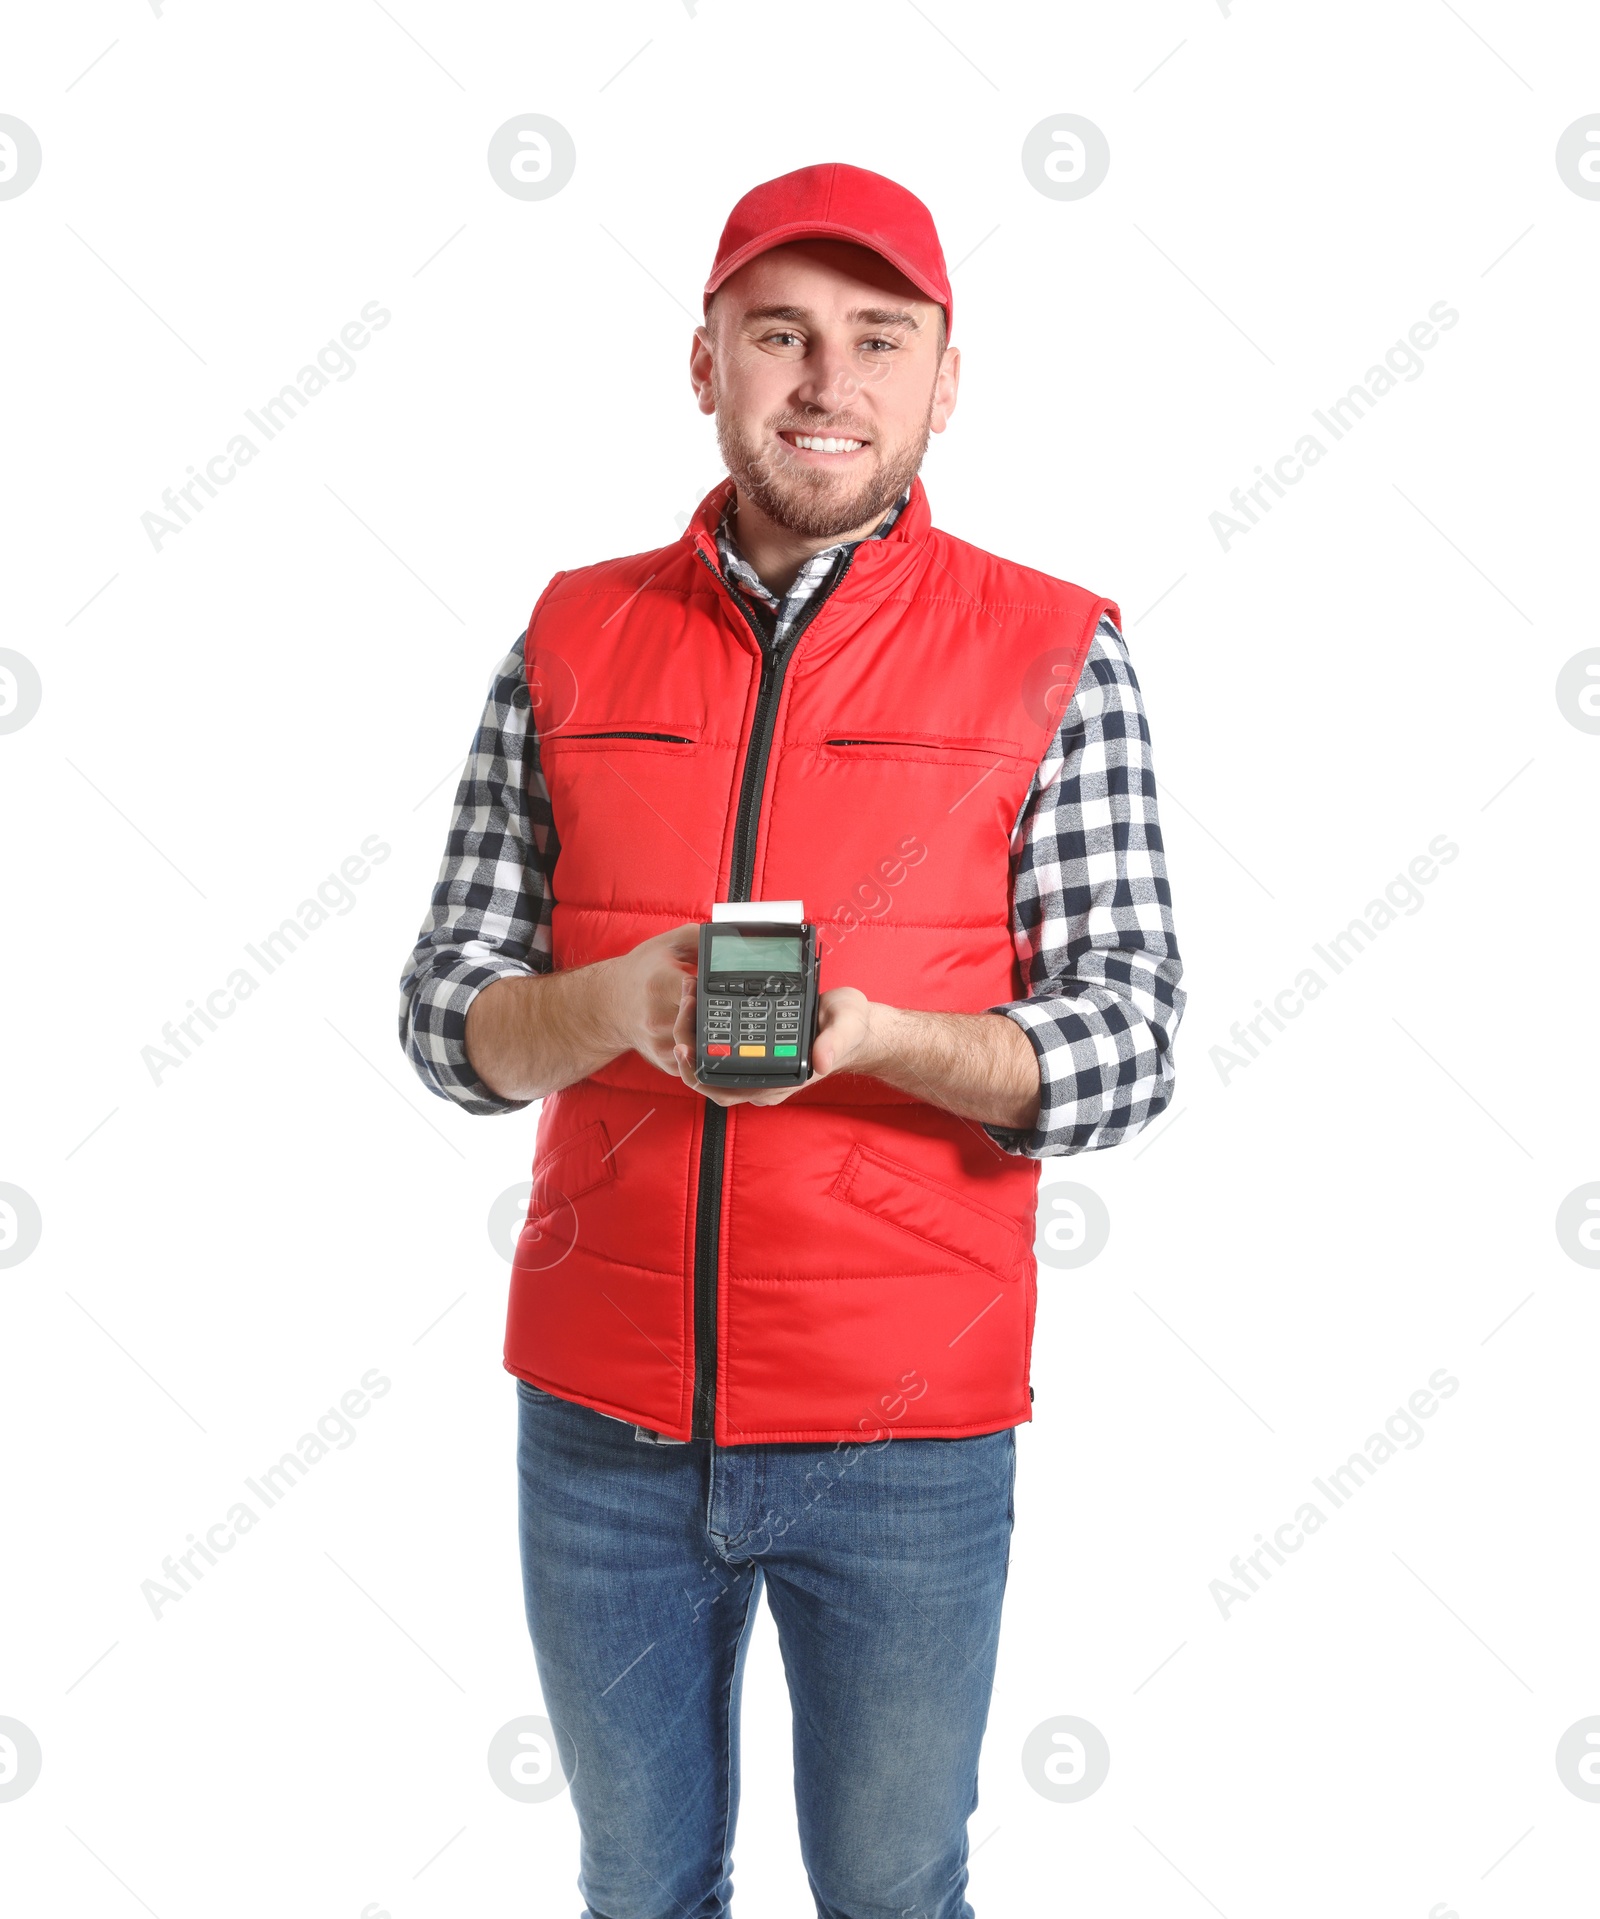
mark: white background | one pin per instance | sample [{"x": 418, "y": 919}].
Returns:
[{"x": 225, "y": 720}]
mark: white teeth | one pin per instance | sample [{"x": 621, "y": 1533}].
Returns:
[{"x": 814, "y": 445}]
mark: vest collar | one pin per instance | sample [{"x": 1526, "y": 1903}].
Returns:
[{"x": 878, "y": 565}]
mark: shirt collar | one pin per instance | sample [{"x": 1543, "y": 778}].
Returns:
[{"x": 812, "y": 570}]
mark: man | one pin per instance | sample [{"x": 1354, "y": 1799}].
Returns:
[{"x": 781, "y": 1338}]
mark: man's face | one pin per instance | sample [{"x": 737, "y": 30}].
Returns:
[{"x": 825, "y": 370}]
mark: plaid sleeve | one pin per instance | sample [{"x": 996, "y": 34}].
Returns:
[
  {"x": 1092, "y": 922},
  {"x": 490, "y": 914}
]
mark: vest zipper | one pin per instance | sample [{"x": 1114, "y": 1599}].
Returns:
[{"x": 713, "y": 1137}]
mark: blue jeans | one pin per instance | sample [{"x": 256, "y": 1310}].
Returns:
[{"x": 885, "y": 1567}]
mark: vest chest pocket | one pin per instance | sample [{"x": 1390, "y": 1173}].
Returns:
[
  {"x": 845, "y": 748},
  {"x": 604, "y": 739}
]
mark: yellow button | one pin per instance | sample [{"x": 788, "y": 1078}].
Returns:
[{"x": 758, "y": 1051}]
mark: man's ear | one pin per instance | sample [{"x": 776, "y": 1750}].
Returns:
[
  {"x": 945, "y": 385},
  {"x": 702, "y": 370}
]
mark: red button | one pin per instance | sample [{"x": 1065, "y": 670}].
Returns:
[{"x": 717, "y": 1049}]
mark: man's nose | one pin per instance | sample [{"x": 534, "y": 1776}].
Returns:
[{"x": 830, "y": 380}]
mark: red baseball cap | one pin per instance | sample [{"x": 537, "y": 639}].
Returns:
[{"x": 837, "y": 202}]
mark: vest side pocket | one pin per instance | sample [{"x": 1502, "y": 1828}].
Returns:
[
  {"x": 576, "y": 1167},
  {"x": 929, "y": 1209}
]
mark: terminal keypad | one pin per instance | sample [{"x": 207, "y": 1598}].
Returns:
[{"x": 756, "y": 1018}]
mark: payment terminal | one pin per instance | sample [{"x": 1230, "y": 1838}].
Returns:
[{"x": 756, "y": 995}]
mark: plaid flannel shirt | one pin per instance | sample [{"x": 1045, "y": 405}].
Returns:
[{"x": 1091, "y": 910}]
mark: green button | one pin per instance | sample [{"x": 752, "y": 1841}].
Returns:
[{"x": 784, "y": 1052}]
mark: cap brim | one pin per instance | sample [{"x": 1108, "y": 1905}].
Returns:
[{"x": 819, "y": 230}]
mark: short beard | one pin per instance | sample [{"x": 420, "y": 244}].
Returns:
[{"x": 800, "y": 498}]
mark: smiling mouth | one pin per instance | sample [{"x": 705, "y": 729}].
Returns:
[{"x": 827, "y": 444}]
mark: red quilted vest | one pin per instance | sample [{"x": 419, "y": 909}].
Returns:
[{"x": 854, "y": 1261}]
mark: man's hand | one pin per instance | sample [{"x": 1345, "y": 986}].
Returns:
[
  {"x": 529, "y": 1037},
  {"x": 648, "y": 987},
  {"x": 845, "y": 1043}
]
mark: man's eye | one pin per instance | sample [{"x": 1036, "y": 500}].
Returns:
[
  {"x": 889, "y": 344},
  {"x": 780, "y": 338}
]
